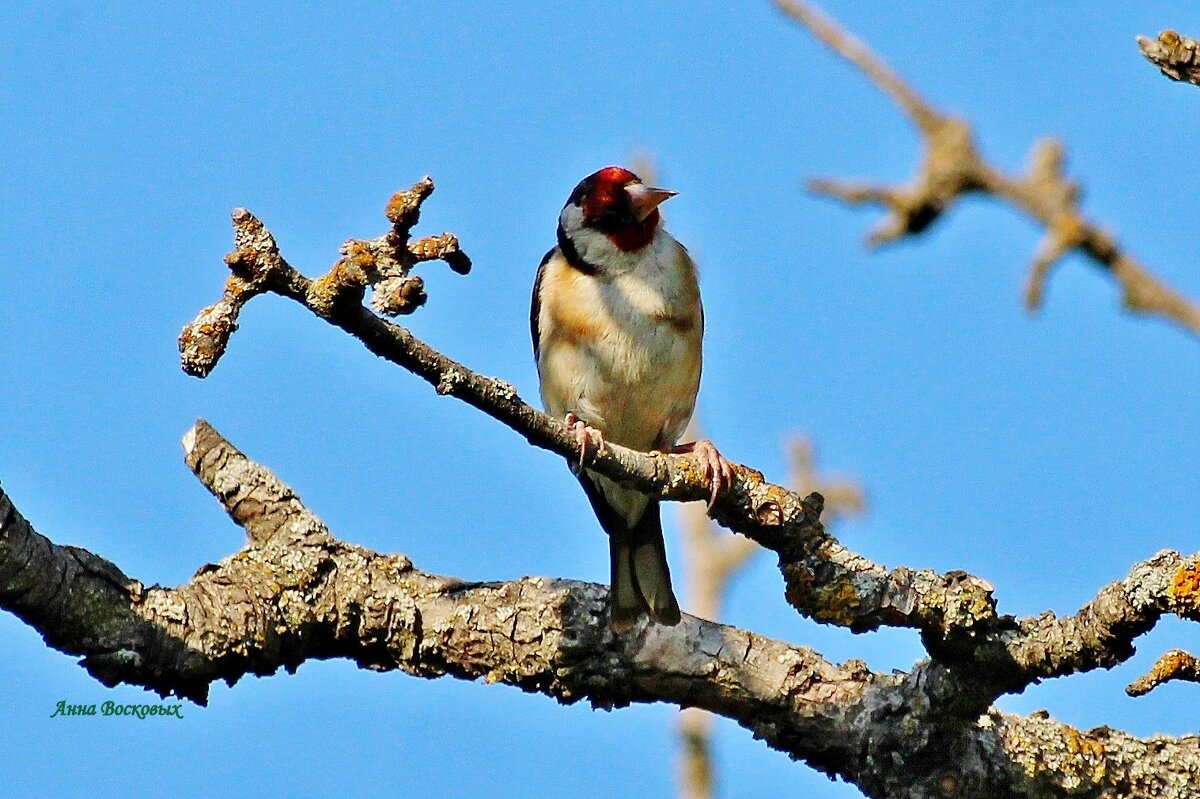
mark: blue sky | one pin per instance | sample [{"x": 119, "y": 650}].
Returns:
[{"x": 1045, "y": 454}]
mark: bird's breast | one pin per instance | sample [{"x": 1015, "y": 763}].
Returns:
[{"x": 622, "y": 351}]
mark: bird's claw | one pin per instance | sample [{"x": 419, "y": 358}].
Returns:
[
  {"x": 716, "y": 467},
  {"x": 586, "y": 436}
]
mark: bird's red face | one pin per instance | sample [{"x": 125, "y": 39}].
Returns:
[{"x": 615, "y": 202}]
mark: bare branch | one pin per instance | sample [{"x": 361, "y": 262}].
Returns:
[
  {"x": 952, "y": 167},
  {"x": 823, "y": 579},
  {"x": 1173, "y": 665},
  {"x": 84, "y": 605},
  {"x": 844, "y": 43},
  {"x": 713, "y": 560},
  {"x": 955, "y": 612},
  {"x": 1101, "y": 634},
  {"x": 977, "y": 653},
  {"x": 296, "y": 593},
  {"x": 1176, "y": 55}
]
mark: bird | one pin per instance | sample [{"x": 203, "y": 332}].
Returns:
[{"x": 617, "y": 326}]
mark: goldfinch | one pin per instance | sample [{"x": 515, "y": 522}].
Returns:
[{"x": 617, "y": 326}]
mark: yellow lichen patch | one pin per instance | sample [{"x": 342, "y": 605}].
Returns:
[
  {"x": 360, "y": 254},
  {"x": 835, "y": 603},
  {"x": 432, "y": 247},
  {"x": 399, "y": 206},
  {"x": 325, "y": 291},
  {"x": 1077, "y": 760},
  {"x": 980, "y": 606},
  {"x": 404, "y": 205},
  {"x": 1091, "y": 752},
  {"x": 1171, "y": 664},
  {"x": 1185, "y": 591}
]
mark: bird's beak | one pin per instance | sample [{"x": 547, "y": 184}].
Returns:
[{"x": 646, "y": 199}]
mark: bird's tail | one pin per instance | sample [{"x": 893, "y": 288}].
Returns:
[{"x": 640, "y": 576}]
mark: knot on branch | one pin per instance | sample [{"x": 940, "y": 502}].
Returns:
[
  {"x": 344, "y": 284},
  {"x": 396, "y": 296},
  {"x": 965, "y": 604}
]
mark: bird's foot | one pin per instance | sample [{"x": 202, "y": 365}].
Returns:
[
  {"x": 718, "y": 469},
  {"x": 588, "y": 438}
]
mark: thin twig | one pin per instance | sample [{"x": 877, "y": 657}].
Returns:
[{"x": 1173, "y": 665}]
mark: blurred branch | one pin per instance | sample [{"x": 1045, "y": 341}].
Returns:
[
  {"x": 713, "y": 560},
  {"x": 844, "y": 498},
  {"x": 1176, "y": 55},
  {"x": 952, "y": 167}
]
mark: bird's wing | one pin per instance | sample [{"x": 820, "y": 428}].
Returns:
[{"x": 535, "y": 306}]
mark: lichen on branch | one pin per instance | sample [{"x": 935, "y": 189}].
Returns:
[
  {"x": 1177, "y": 56},
  {"x": 383, "y": 264},
  {"x": 295, "y": 593}
]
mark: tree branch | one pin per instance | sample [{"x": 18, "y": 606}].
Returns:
[
  {"x": 986, "y": 653},
  {"x": 1173, "y": 665},
  {"x": 712, "y": 562},
  {"x": 1177, "y": 56},
  {"x": 823, "y": 579},
  {"x": 952, "y": 167},
  {"x": 296, "y": 593}
]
